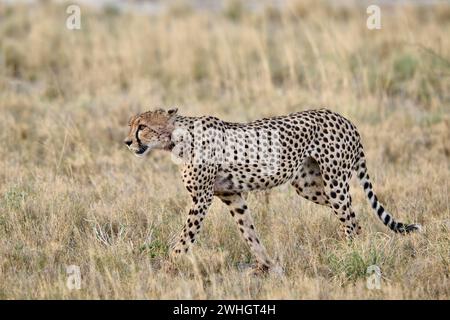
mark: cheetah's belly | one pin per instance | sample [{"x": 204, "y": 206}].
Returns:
[{"x": 234, "y": 180}]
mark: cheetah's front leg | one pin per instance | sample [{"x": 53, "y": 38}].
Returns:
[
  {"x": 200, "y": 204},
  {"x": 244, "y": 220}
]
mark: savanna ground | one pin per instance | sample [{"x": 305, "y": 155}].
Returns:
[{"x": 71, "y": 194}]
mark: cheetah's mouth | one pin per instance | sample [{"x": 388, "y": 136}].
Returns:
[{"x": 141, "y": 151}]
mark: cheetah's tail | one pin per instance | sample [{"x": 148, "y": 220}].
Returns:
[{"x": 384, "y": 215}]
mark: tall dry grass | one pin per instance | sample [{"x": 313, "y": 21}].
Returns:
[{"x": 70, "y": 194}]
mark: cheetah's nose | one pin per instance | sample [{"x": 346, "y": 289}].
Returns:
[{"x": 128, "y": 142}]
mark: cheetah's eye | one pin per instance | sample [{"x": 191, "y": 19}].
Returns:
[{"x": 142, "y": 127}]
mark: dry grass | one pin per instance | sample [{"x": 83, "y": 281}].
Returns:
[{"x": 70, "y": 193}]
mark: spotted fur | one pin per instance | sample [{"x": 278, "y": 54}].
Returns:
[{"x": 316, "y": 151}]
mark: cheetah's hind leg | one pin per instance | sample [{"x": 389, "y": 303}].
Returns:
[{"x": 308, "y": 182}]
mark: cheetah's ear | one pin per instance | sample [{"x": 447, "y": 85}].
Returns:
[
  {"x": 172, "y": 112},
  {"x": 131, "y": 120}
]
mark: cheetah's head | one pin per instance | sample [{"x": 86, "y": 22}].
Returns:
[{"x": 150, "y": 130}]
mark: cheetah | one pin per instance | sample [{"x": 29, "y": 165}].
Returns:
[{"x": 316, "y": 151}]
